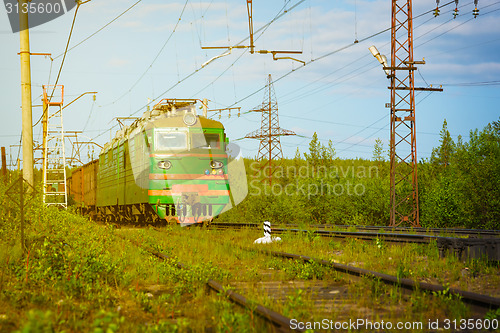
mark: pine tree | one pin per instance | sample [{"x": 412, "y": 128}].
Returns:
[
  {"x": 443, "y": 154},
  {"x": 314, "y": 151},
  {"x": 378, "y": 151}
]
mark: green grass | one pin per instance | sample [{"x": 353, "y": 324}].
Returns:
[
  {"x": 79, "y": 276},
  {"x": 420, "y": 262}
]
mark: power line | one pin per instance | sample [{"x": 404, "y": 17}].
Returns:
[
  {"x": 288, "y": 73},
  {"x": 316, "y": 90},
  {"x": 62, "y": 62},
  {"x": 198, "y": 69},
  {"x": 473, "y": 84},
  {"x": 154, "y": 60},
  {"x": 333, "y": 52},
  {"x": 95, "y": 33},
  {"x": 241, "y": 55}
]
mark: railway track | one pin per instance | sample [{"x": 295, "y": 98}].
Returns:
[
  {"x": 474, "y": 246},
  {"x": 279, "y": 322},
  {"x": 484, "y": 302},
  {"x": 330, "y": 295},
  {"x": 471, "y": 233},
  {"x": 391, "y": 232}
]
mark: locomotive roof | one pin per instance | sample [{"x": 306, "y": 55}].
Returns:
[
  {"x": 160, "y": 117},
  {"x": 177, "y": 121}
]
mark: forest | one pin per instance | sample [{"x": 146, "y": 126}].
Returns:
[{"x": 459, "y": 186}]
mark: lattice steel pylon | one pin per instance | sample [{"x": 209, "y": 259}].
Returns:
[
  {"x": 403, "y": 146},
  {"x": 270, "y": 131},
  {"x": 54, "y": 159}
]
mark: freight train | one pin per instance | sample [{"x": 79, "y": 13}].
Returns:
[{"x": 170, "y": 165}]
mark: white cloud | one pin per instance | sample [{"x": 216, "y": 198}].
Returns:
[{"x": 118, "y": 62}]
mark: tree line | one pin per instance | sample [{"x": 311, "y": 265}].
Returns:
[{"x": 459, "y": 185}]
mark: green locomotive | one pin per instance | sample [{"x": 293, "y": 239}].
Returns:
[{"x": 169, "y": 165}]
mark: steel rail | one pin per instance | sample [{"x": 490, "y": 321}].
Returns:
[
  {"x": 483, "y": 301},
  {"x": 393, "y": 237},
  {"x": 277, "y": 319},
  {"x": 468, "y": 232},
  {"x": 464, "y": 248},
  {"x": 434, "y": 231}
]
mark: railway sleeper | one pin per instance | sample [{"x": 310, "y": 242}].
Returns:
[{"x": 470, "y": 248}]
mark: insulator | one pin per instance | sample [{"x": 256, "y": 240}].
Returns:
[{"x": 436, "y": 11}]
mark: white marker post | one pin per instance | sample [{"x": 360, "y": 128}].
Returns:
[
  {"x": 267, "y": 235},
  {"x": 267, "y": 229}
]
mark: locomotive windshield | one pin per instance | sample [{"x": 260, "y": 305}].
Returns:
[
  {"x": 166, "y": 140},
  {"x": 205, "y": 140}
]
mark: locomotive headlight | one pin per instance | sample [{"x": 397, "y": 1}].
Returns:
[
  {"x": 216, "y": 164},
  {"x": 164, "y": 165},
  {"x": 189, "y": 119}
]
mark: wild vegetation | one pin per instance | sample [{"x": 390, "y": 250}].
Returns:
[
  {"x": 459, "y": 186},
  {"x": 74, "y": 275},
  {"x": 249, "y": 272}
]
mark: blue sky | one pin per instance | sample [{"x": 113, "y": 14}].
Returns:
[{"x": 341, "y": 96}]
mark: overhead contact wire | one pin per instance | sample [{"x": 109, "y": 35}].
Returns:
[
  {"x": 155, "y": 58},
  {"x": 95, "y": 33}
]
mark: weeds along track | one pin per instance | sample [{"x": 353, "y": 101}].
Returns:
[
  {"x": 482, "y": 301},
  {"x": 407, "y": 283}
]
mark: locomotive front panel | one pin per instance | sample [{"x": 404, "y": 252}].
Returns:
[{"x": 188, "y": 179}]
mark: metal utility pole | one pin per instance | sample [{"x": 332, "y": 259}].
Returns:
[
  {"x": 250, "y": 24},
  {"x": 27, "y": 122},
  {"x": 251, "y": 46},
  {"x": 270, "y": 132},
  {"x": 403, "y": 144}
]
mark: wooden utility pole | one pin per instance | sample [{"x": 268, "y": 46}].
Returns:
[
  {"x": 4, "y": 165},
  {"x": 27, "y": 121}
]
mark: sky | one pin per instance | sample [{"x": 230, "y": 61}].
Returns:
[{"x": 154, "y": 51}]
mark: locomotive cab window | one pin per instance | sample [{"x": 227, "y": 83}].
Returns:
[
  {"x": 205, "y": 140},
  {"x": 166, "y": 140}
]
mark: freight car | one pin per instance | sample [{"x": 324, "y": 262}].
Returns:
[{"x": 168, "y": 165}]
